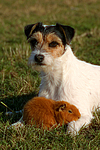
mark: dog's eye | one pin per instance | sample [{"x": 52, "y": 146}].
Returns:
[
  {"x": 70, "y": 111},
  {"x": 33, "y": 42},
  {"x": 53, "y": 44}
]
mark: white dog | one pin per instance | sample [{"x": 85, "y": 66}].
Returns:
[{"x": 64, "y": 77}]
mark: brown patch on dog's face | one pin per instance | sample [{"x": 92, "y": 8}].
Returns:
[
  {"x": 49, "y": 43},
  {"x": 53, "y": 44},
  {"x": 36, "y": 40}
]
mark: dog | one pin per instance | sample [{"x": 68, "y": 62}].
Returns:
[
  {"x": 63, "y": 76},
  {"x": 49, "y": 114}
]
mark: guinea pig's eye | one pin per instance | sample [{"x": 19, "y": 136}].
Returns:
[
  {"x": 70, "y": 111},
  {"x": 53, "y": 44},
  {"x": 33, "y": 42}
]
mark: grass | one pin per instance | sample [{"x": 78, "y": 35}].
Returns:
[{"x": 18, "y": 83}]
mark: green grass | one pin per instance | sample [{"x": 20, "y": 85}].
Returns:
[{"x": 18, "y": 83}]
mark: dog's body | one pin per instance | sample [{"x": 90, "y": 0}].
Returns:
[
  {"x": 79, "y": 85},
  {"x": 64, "y": 77}
]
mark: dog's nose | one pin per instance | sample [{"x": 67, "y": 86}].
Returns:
[{"x": 39, "y": 58}]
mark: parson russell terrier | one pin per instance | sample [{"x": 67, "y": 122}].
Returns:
[{"x": 63, "y": 76}]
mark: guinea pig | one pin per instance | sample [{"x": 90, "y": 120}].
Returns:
[{"x": 47, "y": 113}]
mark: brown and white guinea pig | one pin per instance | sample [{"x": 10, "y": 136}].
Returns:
[{"x": 47, "y": 113}]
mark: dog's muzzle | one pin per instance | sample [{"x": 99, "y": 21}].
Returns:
[{"x": 39, "y": 58}]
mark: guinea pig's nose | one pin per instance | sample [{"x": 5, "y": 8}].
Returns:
[
  {"x": 79, "y": 117},
  {"x": 39, "y": 58}
]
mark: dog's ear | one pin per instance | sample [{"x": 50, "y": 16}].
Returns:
[
  {"x": 61, "y": 107},
  {"x": 67, "y": 31},
  {"x": 29, "y": 29}
]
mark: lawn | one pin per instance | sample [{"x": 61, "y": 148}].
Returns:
[{"x": 19, "y": 83}]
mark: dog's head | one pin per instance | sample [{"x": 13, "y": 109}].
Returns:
[{"x": 47, "y": 42}]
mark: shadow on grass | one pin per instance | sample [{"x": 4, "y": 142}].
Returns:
[{"x": 15, "y": 103}]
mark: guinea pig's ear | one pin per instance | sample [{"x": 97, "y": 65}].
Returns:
[
  {"x": 61, "y": 107},
  {"x": 67, "y": 31},
  {"x": 29, "y": 29}
]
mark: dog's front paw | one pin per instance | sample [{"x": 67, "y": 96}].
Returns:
[
  {"x": 75, "y": 126},
  {"x": 17, "y": 125}
]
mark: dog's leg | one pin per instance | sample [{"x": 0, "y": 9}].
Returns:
[
  {"x": 75, "y": 126},
  {"x": 44, "y": 93},
  {"x": 18, "y": 124},
  {"x": 16, "y": 112}
]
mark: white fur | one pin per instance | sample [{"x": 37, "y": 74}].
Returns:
[{"x": 75, "y": 81}]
